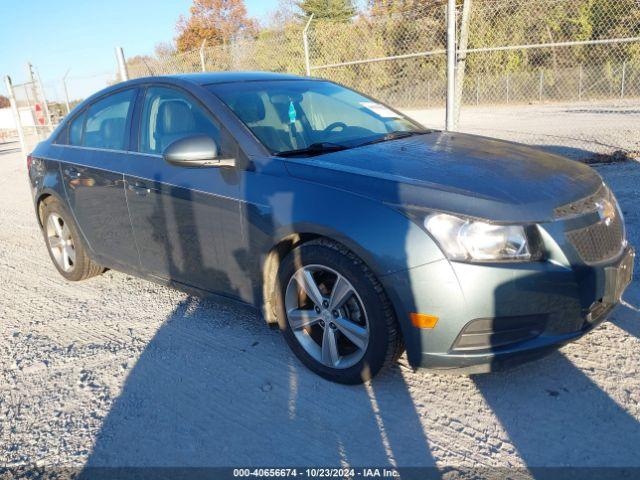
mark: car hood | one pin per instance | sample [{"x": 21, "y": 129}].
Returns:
[{"x": 457, "y": 173}]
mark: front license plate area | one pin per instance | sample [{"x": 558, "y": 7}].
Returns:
[{"x": 618, "y": 278}]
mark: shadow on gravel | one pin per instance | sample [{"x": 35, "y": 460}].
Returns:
[
  {"x": 553, "y": 413},
  {"x": 214, "y": 389},
  {"x": 573, "y": 422},
  {"x": 625, "y": 317}
]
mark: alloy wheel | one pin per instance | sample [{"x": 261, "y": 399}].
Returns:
[
  {"x": 327, "y": 316},
  {"x": 61, "y": 242}
]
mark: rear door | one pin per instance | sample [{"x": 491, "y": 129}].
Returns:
[
  {"x": 92, "y": 172},
  {"x": 186, "y": 220}
]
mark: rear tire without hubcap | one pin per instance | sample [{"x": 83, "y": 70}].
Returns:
[{"x": 334, "y": 313}]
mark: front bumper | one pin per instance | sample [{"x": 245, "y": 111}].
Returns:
[{"x": 494, "y": 316}]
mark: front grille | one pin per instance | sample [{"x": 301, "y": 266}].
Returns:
[{"x": 600, "y": 241}]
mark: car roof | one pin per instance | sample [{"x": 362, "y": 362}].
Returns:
[
  {"x": 204, "y": 78},
  {"x": 208, "y": 78}
]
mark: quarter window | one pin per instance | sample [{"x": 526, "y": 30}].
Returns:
[
  {"x": 169, "y": 115},
  {"x": 75, "y": 130},
  {"x": 106, "y": 121}
]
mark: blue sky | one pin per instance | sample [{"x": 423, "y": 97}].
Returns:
[{"x": 81, "y": 35}]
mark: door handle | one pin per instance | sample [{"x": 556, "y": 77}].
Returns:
[
  {"x": 139, "y": 188},
  {"x": 71, "y": 172}
]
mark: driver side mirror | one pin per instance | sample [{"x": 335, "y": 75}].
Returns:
[{"x": 195, "y": 152}]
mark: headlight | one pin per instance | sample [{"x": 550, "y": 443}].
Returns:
[{"x": 474, "y": 240}]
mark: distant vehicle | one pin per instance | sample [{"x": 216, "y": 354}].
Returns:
[{"x": 354, "y": 229}]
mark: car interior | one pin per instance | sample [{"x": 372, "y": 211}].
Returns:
[{"x": 271, "y": 119}]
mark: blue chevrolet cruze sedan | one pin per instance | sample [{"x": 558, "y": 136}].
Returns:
[{"x": 355, "y": 230}]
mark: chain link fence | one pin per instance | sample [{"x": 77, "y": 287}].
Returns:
[
  {"x": 557, "y": 73},
  {"x": 276, "y": 51},
  {"x": 31, "y": 113}
]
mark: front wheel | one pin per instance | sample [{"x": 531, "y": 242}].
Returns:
[{"x": 334, "y": 313}]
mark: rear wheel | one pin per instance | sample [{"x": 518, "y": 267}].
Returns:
[
  {"x": 63, "y": 243},
  {"x": 334, "y": 313}
]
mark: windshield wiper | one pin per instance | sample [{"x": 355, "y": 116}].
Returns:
[
  {"x": 395, "y": 135},
  {"x": 313, "y": 149}
]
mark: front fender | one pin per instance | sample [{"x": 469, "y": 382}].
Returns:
[{"x": 383, "y": 237}]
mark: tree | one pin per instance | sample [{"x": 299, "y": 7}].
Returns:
[
  {"x": 216, "y": 21},
  {"x": 140, "y": 65},
  {"x": 164, "y": 49},
  {"x": 334, "y": 10},
  {"x": 4, "y": 102}
]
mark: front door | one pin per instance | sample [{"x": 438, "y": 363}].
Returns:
[{"x": 186, "y": 221}]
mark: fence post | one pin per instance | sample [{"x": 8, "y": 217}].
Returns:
[
  {"x": 66, "y": 92},
  {"x": 16, "y": 114},
  {"x": 451, "y": 65},
  {"x": 122, "y": 65},
  {"x": 624, "y": 74},
  {"x": 202, "y": 63},
  {"x": 34, "y": 93},
  {"x": 44, "y": 101},
  {"x": 541, "y": 84},
  {"x": 508, "y": 86},
  {"x": 461, "y": 63},
  {"x": 580, "y": 84},
  {"x": 305, "y": 43}
]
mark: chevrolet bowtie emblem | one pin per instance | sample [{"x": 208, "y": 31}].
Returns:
[{"x": 606, "y": 211}]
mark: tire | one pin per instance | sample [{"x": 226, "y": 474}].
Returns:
[
  {"x": 329, "y": 264},
  {"x": 69, "y": 256}
]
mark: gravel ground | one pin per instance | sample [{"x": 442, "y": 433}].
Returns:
[
  {"x": 576, "y": 130},
  {"x": 120, "y": 371}
]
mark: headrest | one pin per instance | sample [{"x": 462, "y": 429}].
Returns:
[
  {"x": 112, "y": 132},
  {"x": 174, "y": 117},
  {"x": 249, "y": 107}
]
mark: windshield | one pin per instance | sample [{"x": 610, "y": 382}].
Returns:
[{"x": 311, "y": 117}]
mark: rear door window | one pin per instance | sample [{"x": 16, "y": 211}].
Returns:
[{"x": 106, "y": 122}]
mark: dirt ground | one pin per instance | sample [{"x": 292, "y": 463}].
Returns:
[{"x": 120, "y": 371}]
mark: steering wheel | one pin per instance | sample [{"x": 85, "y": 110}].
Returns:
[{"x": 334, "y": 125}]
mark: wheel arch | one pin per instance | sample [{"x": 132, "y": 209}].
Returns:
[
  {"x": 44, "y": 197},
  {"x": 285, "y": 245}
]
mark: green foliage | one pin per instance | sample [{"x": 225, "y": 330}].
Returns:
[
  {"x": 404, "y": 28},
  {"x": 331, "y": 10}
]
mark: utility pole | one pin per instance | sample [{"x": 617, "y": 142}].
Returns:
[{"x": 122, "y": 65}]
